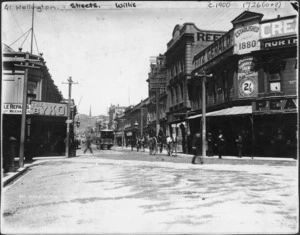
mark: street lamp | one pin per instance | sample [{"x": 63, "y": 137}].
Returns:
[{"x": 203, "y": 76}]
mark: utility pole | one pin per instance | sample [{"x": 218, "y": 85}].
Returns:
[
  {"x": 32, "y": 28},
  {"x": 203, "y": 77},
  {"x": 70, "y": 82},
  {"x": 24, "y": 105}
]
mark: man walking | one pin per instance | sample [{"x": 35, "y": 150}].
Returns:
[{"x": 88, "y": 143}]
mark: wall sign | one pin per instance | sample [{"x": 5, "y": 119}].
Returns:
[
  {"x": 283, "y": 42},
  {"x": 215, "y": 49},
  {"x": 246, "y": 38},
  {"x": 49, "y": 109},
  {"x": 274, "y": 105},
  {"x": 247, "y": 78},
  {"x": 14, "y": 109},
  {"x": 278, "y": 28}
]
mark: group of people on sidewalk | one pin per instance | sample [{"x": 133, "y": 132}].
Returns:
[{"x": 220, "y": 144}]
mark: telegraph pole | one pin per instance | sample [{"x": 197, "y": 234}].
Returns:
[
  {"x": 203, "y": 120},
  {"x": 70, "y": 82},
  {"x": 32, "y": 28}
]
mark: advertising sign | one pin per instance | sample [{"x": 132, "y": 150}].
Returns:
[
  {"x": 278, "y": 28},
  {"x": 214, "y": 50},
  {"x": 275, "y": 105},
  {"x": 14, "y": 109},
  {"x": 247, "y": 78},
  {"x": 157, "y": 83},
  {"x": 280, "y": 42},
  {"x": 49, "y": 109},
  {"x": 246, "y": 38}
]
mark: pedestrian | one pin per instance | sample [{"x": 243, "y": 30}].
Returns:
[
  {"x": 160, "y": 139},
  {"x": 220, "y": 143},
  {"x": 88, "y": 143},
  {"x": 169, "y": 141},
  {"x": 239, "y": 145},
  {"x": 197, "y": 143},
  {"x": 209, "y": 144}
]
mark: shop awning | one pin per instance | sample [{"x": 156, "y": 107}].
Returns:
[{"x": 238, "y": 110}]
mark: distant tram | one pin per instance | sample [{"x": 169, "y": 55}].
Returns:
[{"x": 105, "y": 139}]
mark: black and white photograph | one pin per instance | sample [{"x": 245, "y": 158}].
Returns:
[{"x": 149, "y": 117}]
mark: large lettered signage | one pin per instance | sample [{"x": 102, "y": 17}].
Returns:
[
  {"x": 278, "y": 28},
  {"x": 49, "y": 109},
  {"x": 246, "y": 38},
  {"x": 275, "y": 105},
  {"x": 247, "y": 78}
]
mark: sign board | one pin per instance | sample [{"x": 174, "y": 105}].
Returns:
[
  {"x": 275, "y": 105},
  {"x": 246, "y": 38},
  {"x": 247, "y": 78},
  {"x": 49, "y": 109},
  {"x": 14, "y": 109},
  {"x": 157, "y": 83},
  {"x": 278, "y": 28},
  {"x": 279, "y": 42},
  {"x": 215, "y": 49}
]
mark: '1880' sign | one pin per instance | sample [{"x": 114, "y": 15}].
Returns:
[{"x": 48, "y": 109}]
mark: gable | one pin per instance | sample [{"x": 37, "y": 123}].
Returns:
[{"x": 247, "y": 16}]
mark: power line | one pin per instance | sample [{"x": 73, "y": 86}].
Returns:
[
  {"x": 19, "y": 38},
  {"x": 24, "y": 39},
  {"x": 17, "y": 22},
  {"x": 36, "y": 43}
]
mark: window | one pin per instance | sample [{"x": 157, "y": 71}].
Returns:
[{"x": 275, "y": 66}]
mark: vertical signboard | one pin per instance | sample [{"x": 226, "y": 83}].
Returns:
[
  {"x": 246, "y": 38},
  {"x": 247, "y": 78}
]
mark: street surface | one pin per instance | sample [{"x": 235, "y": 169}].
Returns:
[{"x": 107, "y": 193}]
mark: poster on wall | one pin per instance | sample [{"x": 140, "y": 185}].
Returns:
[
  {"x": 247, "y": 78},
  {"x": 246, "y": 38}
]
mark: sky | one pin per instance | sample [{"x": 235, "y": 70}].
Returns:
[{"x": 107, "y": 49}]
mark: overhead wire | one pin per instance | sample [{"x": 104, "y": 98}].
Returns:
[
  {"x": 17, "y": 22},
  {"x": 19, "y": 38},
  {"x": 36, "y": 43},
  {"x": 24, "y": 39}
]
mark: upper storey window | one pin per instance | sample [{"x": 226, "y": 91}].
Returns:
[{"x": 275, "y": 66}]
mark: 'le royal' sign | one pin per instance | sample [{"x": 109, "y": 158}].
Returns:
[{"x": 49, "y": 109}]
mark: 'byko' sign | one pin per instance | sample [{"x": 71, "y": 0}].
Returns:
[{"x": 48, "y": 109}]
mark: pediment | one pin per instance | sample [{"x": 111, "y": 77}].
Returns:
[
  {"x": 247, "y": 16},
  {"x": 176, "y": 31}
]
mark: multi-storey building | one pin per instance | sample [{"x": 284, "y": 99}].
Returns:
[
  {"x": 46, "y": 116},
  {"x": 157, "y": 94},
  {"x": 113, "y": 112},
  {"x": 187, "y": 40},
  {"x": 252, "y": 90}
]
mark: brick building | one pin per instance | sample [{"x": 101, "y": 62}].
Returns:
[
  {"x": 252, "y": 90},
  {"x": 187, "y": 40}
]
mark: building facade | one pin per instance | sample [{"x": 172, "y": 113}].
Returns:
[
  {"x": 252, "y": 90},
  {"x": 187, "y": 40},
  {"x": 157, "y": 92},
  {"x": 46, "y": 115},
  {"x": 113, "y": 112}
]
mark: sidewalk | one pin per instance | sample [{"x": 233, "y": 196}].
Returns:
[
  {"x": 180, "y": 154},
  {"x": 9, "y": 177}
]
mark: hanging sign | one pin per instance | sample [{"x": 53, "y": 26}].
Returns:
[
  {"x": 247, "y": 78},
  {"x": 49, "y": 109},
  {"x": 246, "y": 38},
  {"x": 14, "y": 109}
]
